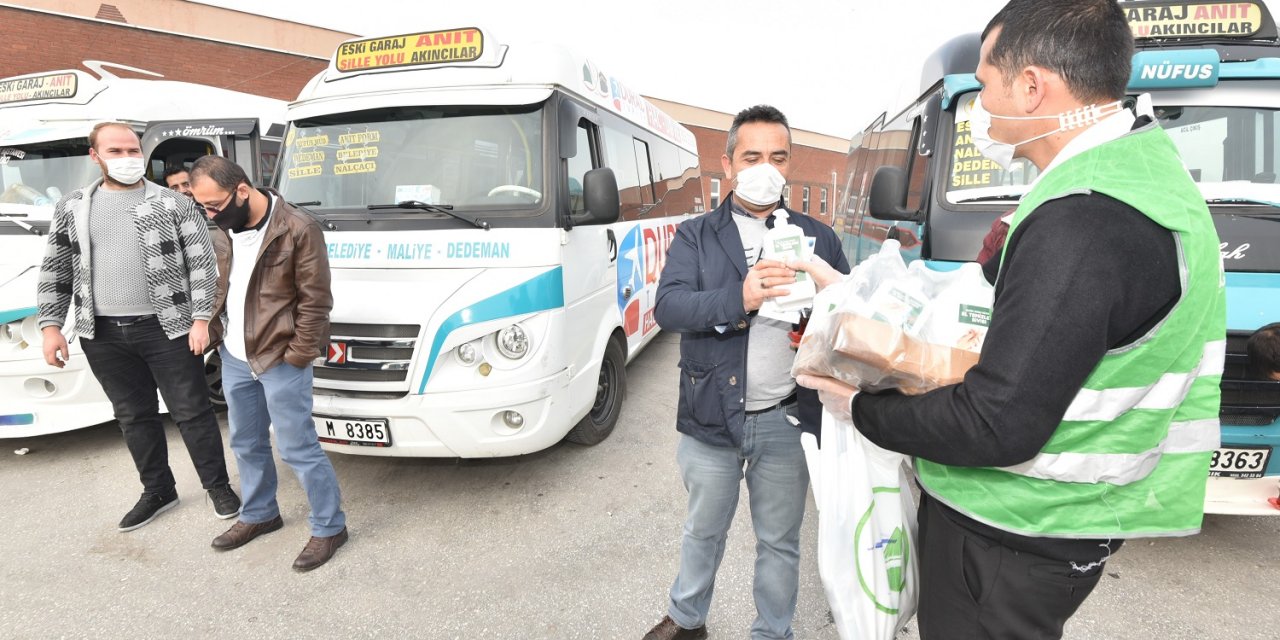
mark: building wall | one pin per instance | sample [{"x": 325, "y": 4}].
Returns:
[
  {"x": 37, "y": 41},
  {"x": 201, "y": 20}
]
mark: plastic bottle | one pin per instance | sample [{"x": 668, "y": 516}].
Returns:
[{"x": 783, "y": 243}]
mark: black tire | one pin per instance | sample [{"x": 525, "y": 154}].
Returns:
[
  {"x": 213, "y": 381},
  {"x": 610, "y": 390}
]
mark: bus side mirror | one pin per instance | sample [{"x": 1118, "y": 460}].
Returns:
[
  {"x": 600, "y": 195},
  {"x": 888, "y": 194}
]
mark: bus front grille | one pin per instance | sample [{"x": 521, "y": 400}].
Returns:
[{"x": 367, "y": 359}]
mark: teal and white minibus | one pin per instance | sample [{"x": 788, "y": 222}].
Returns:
[
  {"x": 1212, "y": 70},
  {"x": 497, "y": 216},
  {"x": 45, "y": 120}
]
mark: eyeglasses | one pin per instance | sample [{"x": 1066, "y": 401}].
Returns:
[{"x": 226, "y": 201}]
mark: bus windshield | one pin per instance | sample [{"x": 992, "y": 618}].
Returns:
[
  {"x": 40, "y": 174},
  {"x": 467, "y": 157},
  {"x": 1231, "y": 152}
]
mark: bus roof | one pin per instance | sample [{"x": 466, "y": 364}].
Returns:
[
  {"x": 67, "y": 103},
  {"x": 1239, "y": 31},
  {"x": 469, "y": 65}
]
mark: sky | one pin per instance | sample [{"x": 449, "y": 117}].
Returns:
[{"x": 830, "y": 65}]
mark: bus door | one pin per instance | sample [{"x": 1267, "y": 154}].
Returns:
[
  {"x": 589, "y": 253},
  {"x": 897, "y": 202},
  {"x": 180, "y": 142}
]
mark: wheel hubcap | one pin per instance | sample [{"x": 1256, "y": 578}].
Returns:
[{"x": 604, "y": 391}]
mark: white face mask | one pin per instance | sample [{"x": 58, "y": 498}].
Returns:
[
  {"x": 1001, "y": 153},
  {"x": 127, "y": 171},
  {"x": 760, "y": 185}
]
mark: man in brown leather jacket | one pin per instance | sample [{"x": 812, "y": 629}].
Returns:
[{"x": 272, "y": 316}]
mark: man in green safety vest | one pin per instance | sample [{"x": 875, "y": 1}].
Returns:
[{"x": 1093, "y": 413}]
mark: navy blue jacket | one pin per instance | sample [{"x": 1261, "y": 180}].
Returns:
[{"x": 701, "y": 288}]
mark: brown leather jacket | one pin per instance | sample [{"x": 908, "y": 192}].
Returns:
[{"x": 289, "y": 299}]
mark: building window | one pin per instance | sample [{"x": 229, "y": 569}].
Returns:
[
  {"x": 804, "y": 200},
  {"x": 715, "y": 192},
  {"x": 786, "y": 196},
  {"x": 822, "y": 203}
]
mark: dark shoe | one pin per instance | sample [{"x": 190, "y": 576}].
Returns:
[
  {"x": 319, "y": 550},
  {"x": 242, "y": 532},
  {"x": 226, "y": 504},
  {"x": 669, "y": 630},
  {"x": 149, "y": 506}
]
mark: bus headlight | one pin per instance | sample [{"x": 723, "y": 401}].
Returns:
[
  {"x": 513, "y": 342},
  {"x": 10, "y": 332},
  {"x": 23, "y": 332},
  {"x": 468, "y": 355}
]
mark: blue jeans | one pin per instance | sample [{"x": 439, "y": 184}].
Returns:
[
  {"x": 777, "y": 482},
  {"x": 281, "y": 396},
  {"x": 131, "y": 361}
]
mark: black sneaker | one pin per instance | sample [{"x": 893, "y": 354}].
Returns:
[
  {"x": 226, "y": 504},
  {"x": 149, "y": 506}
]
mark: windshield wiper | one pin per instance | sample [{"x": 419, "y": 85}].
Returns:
[
  {"x": 1266, "y": 203},
  {"x": 315, "y": 203},
  {"x": 446, "y": 209},
  {"x": 14, "y": 219},
  {"x": 1007, "y": 197}
]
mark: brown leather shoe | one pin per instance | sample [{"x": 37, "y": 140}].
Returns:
[
  {"x": 242, "y": 532},
  {"x": 319, "y": 550},
  {"x": 669, "y": 630}
]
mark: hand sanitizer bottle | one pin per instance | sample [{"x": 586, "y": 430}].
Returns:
[{"x": 786, "y": 242}]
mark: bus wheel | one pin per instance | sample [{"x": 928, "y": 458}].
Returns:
[
  {"x": 610, "y": 389},
  {"x": 213, "y": 381}
]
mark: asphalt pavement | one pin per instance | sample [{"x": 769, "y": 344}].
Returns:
[{"x": 573, "y": 542}]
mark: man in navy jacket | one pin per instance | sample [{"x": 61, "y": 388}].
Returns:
[{"x": 738, "y": 412}]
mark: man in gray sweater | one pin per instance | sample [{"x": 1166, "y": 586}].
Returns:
[{"x": 137, "y": 261}]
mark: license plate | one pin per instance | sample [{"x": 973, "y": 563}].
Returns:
[
  {"x": 1239, "y": 462},
  {"x": 360, "y": 432}
]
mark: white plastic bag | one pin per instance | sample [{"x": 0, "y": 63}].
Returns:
[
  {"x": 960, "y": 312},
  {"x": 866, "y": 532}
]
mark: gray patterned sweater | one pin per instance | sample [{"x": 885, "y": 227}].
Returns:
[{"x": 181, "y": 274}]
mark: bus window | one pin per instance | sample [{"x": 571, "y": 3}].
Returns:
[
  {"x": 666, "y": 169},
  {"x": 578, "y": 166},
  {"x": 40, "y": 174},
  {"x": 176, "y": 152},
  {"x": 689, "y": 198},
  {"x": 674, "y": 192},
  {"x": 918, "y": 172},
  {"x": 268, "y": 154},
  {"x": 621, "y": 157},
  {"x": 974, "y": 177},
  {"x": 472, "y": 157},
  {"x": 1231, "y": 152},
  {"x": 644, "y": 171}
]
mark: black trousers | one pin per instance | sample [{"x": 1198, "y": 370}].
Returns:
[
  {"x": 972, "y": 587},
  {"x": 131, "y": 362}
]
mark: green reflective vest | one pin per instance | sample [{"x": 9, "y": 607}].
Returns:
[{"x": 1131, "y": 456}]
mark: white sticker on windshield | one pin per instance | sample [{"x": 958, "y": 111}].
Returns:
[
  {"x": 965, "y": 111},
  {"x": 421, "y": 192}
]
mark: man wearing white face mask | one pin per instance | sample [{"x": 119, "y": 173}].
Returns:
[
  {"x": 739, "y": 410},
  {"x": 1093, "y": 413},
  {"x": 137, "y": 260}
]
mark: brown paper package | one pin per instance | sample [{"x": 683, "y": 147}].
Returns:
[{"x": 915, "y": 366}]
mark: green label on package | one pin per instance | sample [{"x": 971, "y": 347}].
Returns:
[
  {"x": 790, "y": 248},
  {"x": 975, "y": 315}
]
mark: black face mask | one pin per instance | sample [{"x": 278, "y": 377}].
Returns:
[{"x": 234, "y": 216}]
